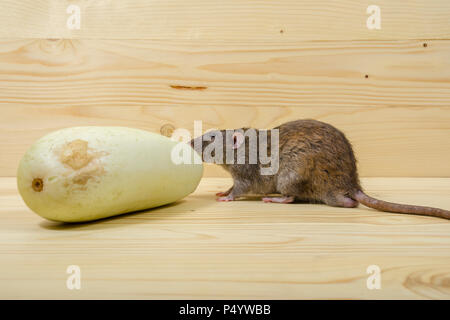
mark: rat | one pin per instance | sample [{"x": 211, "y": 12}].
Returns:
[{"x": 316, "y": 164}]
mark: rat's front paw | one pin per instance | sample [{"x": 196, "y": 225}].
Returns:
[{"x": 225, "y": 199}]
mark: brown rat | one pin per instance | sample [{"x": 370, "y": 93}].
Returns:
[{"x": 316, "y": 164}]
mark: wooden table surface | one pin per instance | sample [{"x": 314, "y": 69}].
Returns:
[{"x": 199, "y": 248}]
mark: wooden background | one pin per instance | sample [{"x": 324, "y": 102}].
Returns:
[{"x": 153, "y": 64}]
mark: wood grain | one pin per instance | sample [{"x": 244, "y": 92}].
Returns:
[
  {"x": 142, "y": 72},
  {"x": 199, "y": 248},
  {"x": 248, "y": 20},
  {"x": 398, "y": 118},
  {"x": 388, "y": 141}
]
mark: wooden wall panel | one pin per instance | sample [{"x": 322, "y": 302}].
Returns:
[
  {"x": 195, "y": 73},
  {"x": 230, "y": 20},
  {"x": 398, "y": 118},
  {"x": 388, "y": 141}
]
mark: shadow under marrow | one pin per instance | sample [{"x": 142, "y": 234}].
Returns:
[{"x": 161, "y": 213}]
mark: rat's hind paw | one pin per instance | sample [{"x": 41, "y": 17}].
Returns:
[{"x": 279, "y": 199}]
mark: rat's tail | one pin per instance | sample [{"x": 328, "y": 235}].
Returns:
[{"x": 399, "y": 208}]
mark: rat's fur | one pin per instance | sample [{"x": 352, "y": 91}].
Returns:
[{"x": 316, "y": 164}]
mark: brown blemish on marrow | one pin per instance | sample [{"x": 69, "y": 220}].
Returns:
[
  {"x": 88, "y": 173},
  {"x": 188, "y": 87},
  {"x": 79, "y": 157},
  {"x": 81, "y": 179},
  {"x": 37, "y": 184},
  {"x": 75, "y": 154}
]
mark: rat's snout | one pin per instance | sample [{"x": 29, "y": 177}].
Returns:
[{"x": 201, "y": 143}]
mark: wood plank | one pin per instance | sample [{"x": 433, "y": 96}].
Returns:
[
  {"x": 398, "y": 118},
  {"x": 199, "y": 248},
  {"x": 388, "y": 141},
  {"x": 138, "y": 72},
  {"x": 248, "y": 20}
]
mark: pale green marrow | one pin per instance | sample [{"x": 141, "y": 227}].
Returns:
[{"x": 88, "y": 173}]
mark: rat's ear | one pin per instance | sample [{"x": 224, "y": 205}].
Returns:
[{"x": 238, "y": 139}]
